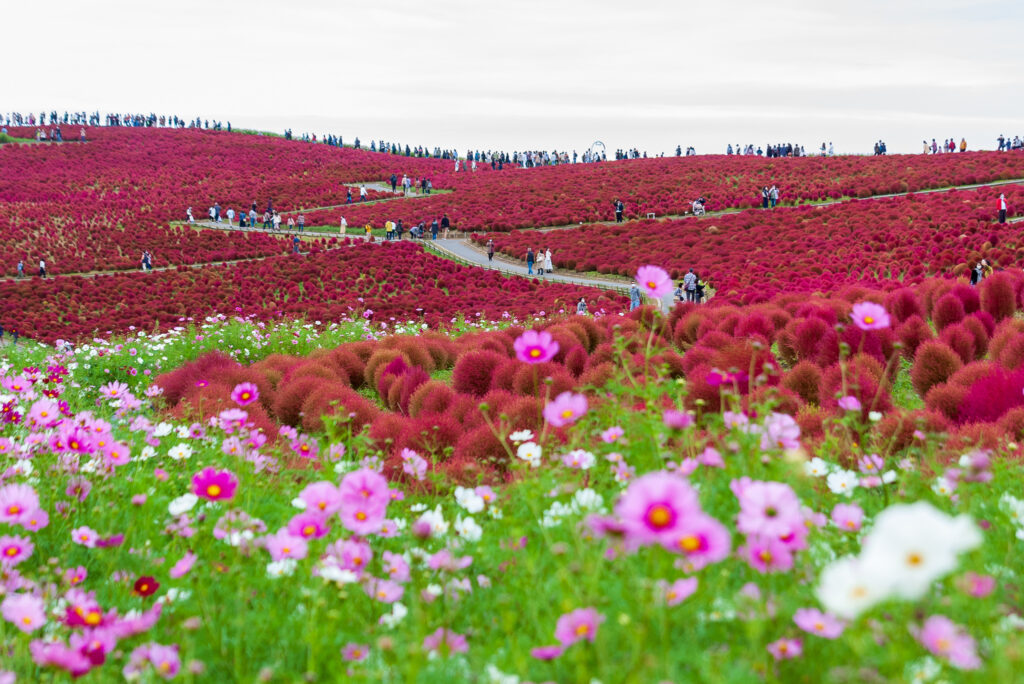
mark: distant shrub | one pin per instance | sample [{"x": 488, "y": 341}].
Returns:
[{"x": 934, "y": 363}]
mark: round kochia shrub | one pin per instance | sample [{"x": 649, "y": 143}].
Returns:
[
  {"x": 474, "y": 370},
  {"x": 934, "y": 363},
  {"x": 911, "y": 333},
  {"x": 999, "y": 296},
  {"x": 804, "y": 379},
  {"x": 948, "y": 309}
]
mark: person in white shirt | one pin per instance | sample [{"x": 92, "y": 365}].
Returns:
[
  {"x": 344, "y": 225},
  {"x": 362, "y": 193},
  {"x": 231, "y": 216},
  {"x": 277, "y": 221},
  {"x": 42, "y": 268}
]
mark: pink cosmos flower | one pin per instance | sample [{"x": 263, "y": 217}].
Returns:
[
  {"x": 13, "y": 550},
  {"x": 36, "y": 520},
  {"x": 848, "y": 517},
  {"x": 56, "y": 654},
  {"x": 869, "y": 316},
  {"x": 486, "y": 493},
  {"x": 849, "y": 403},
  {"x": 871, "y": 464},
  {"x": 75, "y": 576},
  {"x": 384, "y": 590},
  {"x": 701, "y": 539},
  {"x": 677, "y": 420},
  {"x": 977, "y": 585},
  {"x": 766, "y": 554},
  {"x": 86, "y": 536},
  {"x": 323, "y": 497},
  {"x": 444, "y": 560},
  {"x": 680, "y": 590},
  {"x": 114, "y": 390},
  {"x": 245, "y": 393},
  {"x": 214, "y": 485},
  {"x": 784, "y": 649},
  {"x": 565, "y": 409},
  {"x": 455, "y": 643},
  {"x": 579, "y": 624},
  {"x": 770, "y": 509},
  {"x": 612, "y": 434},
  {"x": 305, "y": 447},
  {"x": 546, "y": 652},
  {"x": 711, "y": 458},
  {"x": 813, "y": 621},
  {"x": 165, "y": 659},
  {"x": 654, "y": 506},
  {"x": 653, "y": 281},
  {"x": 780, "y": 432},
  {"x": 78, "y": 488},
  {"x": 413, "y": 464},
  {"x": 946, "y": 639},
  {"x": 183, "y": 566},
  {"x": 16, "y": 502},
  {"x": 354, "y": 653},
  {"x": 283, "y": 545},
  {"x": 395, "y": 566},
  {"x": 308, "y": 525},
  {"x": 24, "y": 611},
  {"x": 350, "y": 555},
  {"x": 535, "y": 347}
]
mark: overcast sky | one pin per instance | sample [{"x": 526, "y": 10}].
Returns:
[{"x": 515, "y": 74}]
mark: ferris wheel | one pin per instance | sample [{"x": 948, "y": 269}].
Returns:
[{"x": 596, "y": 149}]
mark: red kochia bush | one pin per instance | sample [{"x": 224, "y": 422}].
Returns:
[
  {"x": 960, "y": 340},
  {"x": 934, "y": 363},
  {"x": 860, "y": 376},
  {"x": 946, "y": 399},
  {"x": 911, "y": 333},
  {"x": 1011, "y": 353},
  {"x": 990, "y": 397},
  {"x": 474, "y": 370},
  {"x": 431, "y": 397},
  {"x": 811, "y": 339},
  {"x": 999, "y": 296},
  {"x": 902, "y": 304},
  {"x": 804, "y": 379},
  {"x": 948, "y": 309}
]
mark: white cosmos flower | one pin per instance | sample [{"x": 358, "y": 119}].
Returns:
[
  {"x": 816, "y": 467},
  {"x": 147, "y": 453},
  {"x": 842, "y": 482},
  {"x": 183, "y": 504},
  {"x": 397, "y": 614},
  {"x": 299, "y": 503},
  {"x": 912, "y": 545},
  {"x": 531, "y": 453},
  {"x": 587, "y": 500},
  {"x": 332, "y": 572},
  {"x": 468, "y": 529},
  {"x": 282, "y": 568},
  {"x": 468, "y": 499},
  {"x": 846, "y": 589},
  {"x": 1013, "y": 507},
  {"x": 162, "y": 430},
  {"x": 180, "y": 452},
  {"x": 183, "y": 432},
  {"x": 521, "y": 436},
  {"x": 436, "y": 520},
  {"x": 941, "y": 487}
]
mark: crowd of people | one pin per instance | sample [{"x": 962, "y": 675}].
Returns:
[
  {"x": 948, "y": 145},
  {"x": 769, "y": 151}
]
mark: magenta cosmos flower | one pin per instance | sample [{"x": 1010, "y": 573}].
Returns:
[
  {"x": 364, "y": 501},
  {"x": 321, "y": 496},
  {"x": 354, "y": 653},
  {"x": 701, "y": 539},
  {"x": 768, "y": 508},
  {"x": 870, "y": 316},
  {"x": 283, "y": 545},
  {"x": 813, "y": 621},
  {"x": 565, "y": 409},
  {"x": 944, "y": 638},
  {"x": 784, "y": 649},
  {"x": 14, "y": 550},
  {"x": 17, "y": 503},
  {"x": 654, "y": 506},
  {"x": 654, "y": 281},
  {"x": 245, "y": 393},
  {"x": 456, "y": 643},
  {"x": 580, "y": 624},
  {"x": 680, "y": 590},
  {"x": 214, "y": 485},
  {"x": 535, "y": 347}
]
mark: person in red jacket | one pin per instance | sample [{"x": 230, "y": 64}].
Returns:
[{"x": 1002, "y": 208}]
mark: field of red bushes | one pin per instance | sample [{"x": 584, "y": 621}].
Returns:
[
  {"x": 570, "y": 194},
  {"x": 962, "y": 345},
  {"x": 394, "y": 281},
  {"x": 753, "y": 256}
]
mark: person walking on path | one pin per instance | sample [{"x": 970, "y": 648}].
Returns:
[
  {"x": 445, "y": 225},
  {"x": 302, "y": 222},
  {"x": 231, "y": 217},
  {"x": 529, "y": 260},
  {"x": 394, "y": 183},
  {"x": 189, "y": 216},
  {"x": 21, "y": 269},
  {"x": 434, "y": 228},
  {"x": 362, "y": 193},
  {"x": 1002, "y": 208},
  {"x": 42, "y": 268},
  {"x": 773, "y": 196},
  {"x": 291, "y": 225},
  {"x": 344, "y": 225},
  {"x": 764, "y": 197},
  {"x": 619, "y": 208},
  {"x": 295, "y": 244},
  {"x": 490, "y": 251},
  {"x": 634, "y": 297},
  {"x": 277, "y": 221},
  {"x": 406, "y": 184},
  {"x": 348, "y": 196},
  {"x": 690, "y": 283},
  {"x": 548, "y": 264}
]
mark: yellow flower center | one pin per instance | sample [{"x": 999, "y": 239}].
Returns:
[
  {"x": 308, "y": 531},
  {"x": 818, "y": 627},
  {"x": 689, "y": 543},
  {"x": 651, "y": 284},
  {"x": 360, "y": 516},
  {"x": 914, "y": 559},
  {"x": 659, "y": 516},
  {"x": 765, "y": 556},
  {"x": 582, "y": 630},
  {"x": 11, "y": 551},
  {"x": 534, "y": 353},
  {"x": 567, "y": 413},
  {"x": 93, "y": 618},
  {"x": 13, "y": 509},
  {"x": 286, "y": 549},
  {"x": 322, "y": 505},
  {"x": 26, "y": 620},
  {"x": 213, "y": 490},
  {"x": 869, "y": 320}
]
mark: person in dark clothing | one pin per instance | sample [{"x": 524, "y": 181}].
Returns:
[
  {"x": 348, "y": 196},
  {"x": 619, "y": 208},
  {"x": 295, "y": 244},
  {"x": 764, "y": 197},
  {"x": 490, "y": 251},
  {"x": 394, "y": 183},
  {"x": 445, "y": 225},
  {"x": 270, "y": 206},
  {"x": 530, "y": 258},
  {"x": 399, "y": 229},
  {"x": 434, "y": 228}
]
